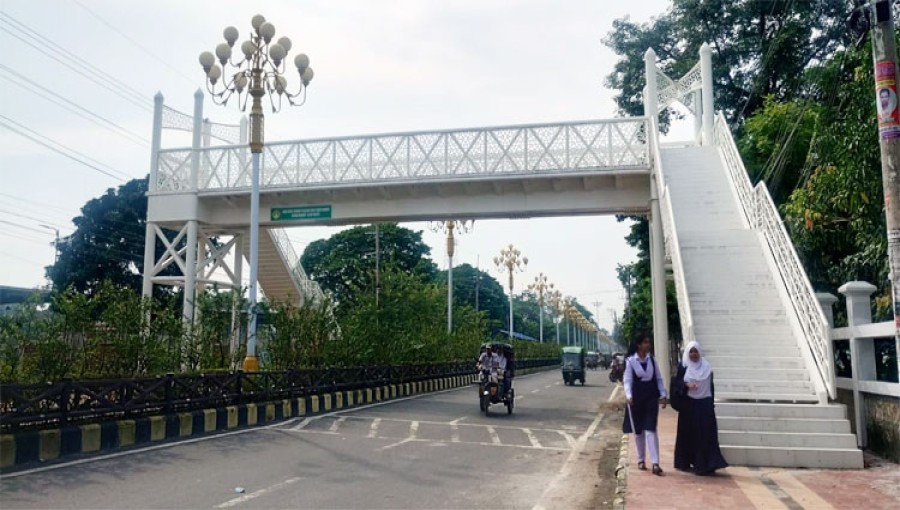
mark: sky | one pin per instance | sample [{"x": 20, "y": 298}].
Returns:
[{"x": 82, "y": 73}]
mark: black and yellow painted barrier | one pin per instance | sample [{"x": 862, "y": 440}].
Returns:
[{"x": 26, "y": 448}]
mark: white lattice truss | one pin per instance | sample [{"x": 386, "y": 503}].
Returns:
[
  {"x": 762, "y": 215},
  {"x": 173, "y": 119},
  {"x": 681, "y": 90},
  {"x": 572, "y": 147},
  {"x": 214, "y": 258}
]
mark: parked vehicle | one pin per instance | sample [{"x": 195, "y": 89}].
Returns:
[
  {"x": 496, "y": 386},
  {"x": 572, "y": 361},
  {"x": 592, "y": 360}
]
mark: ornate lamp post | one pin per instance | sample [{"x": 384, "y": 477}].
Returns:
[
  {"x": 259, "y": 72},
  {"x": 511, "y": 260},
  {"x": 556, "y": 306},
  {"x": 449, "y": 226},
  {"x": 539, "y": 286}
]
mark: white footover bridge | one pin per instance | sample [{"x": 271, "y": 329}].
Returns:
[{"x": 742, "y": 291}]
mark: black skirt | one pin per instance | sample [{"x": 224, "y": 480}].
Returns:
[
  {"x": 697, "y": 440},
  {"x": 644, "y": 407}
]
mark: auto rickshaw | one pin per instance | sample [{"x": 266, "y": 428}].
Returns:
[
  {"x": 592, "y": 360},
  {"x": 496, "y": 387},
  {"x": 572, "y": 364}
]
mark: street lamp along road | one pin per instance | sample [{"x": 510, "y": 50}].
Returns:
[
  {"x": 462, "y": 226},
  {"x": 541, "y": 285},
  {"x": 511, "y": 260},
  {"x": 260, "y": 71}
]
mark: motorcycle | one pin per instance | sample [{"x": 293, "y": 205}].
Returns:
[
  {"x": 490, "y": 391},
  {"x": 616, "y": 371}
]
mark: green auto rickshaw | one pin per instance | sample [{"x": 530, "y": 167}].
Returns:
[{"x": 572, "y": 361}]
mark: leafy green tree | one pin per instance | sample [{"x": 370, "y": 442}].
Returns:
[
  {"x": 491, "y": 299},
  {"x": 344, "y": 264},
  {"x": 108, "y": 243},
  {"x": 760, "y": 48}
]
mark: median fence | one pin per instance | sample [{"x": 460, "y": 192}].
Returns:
[{"x": 41, "y": 422}]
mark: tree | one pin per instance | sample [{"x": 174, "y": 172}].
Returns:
[
  {"x": 760, "y": 48},
  {"x": 491, "y": 299},
  {"x": 108, "y": 243},
  {"x": 344, "y": 264}
]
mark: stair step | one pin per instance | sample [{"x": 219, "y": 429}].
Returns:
[
  {"x": 763, "y": 374},
  {"x": 817, "y": 425},
  {"x": 814, "y": 458},
  {"x": 779, "y": 351},
  {"x": 758, "y": 386},
  {"x": 720, "y": 362},
  {"x": 767, "y": 397},
  {"x": 786, "y": 439},
  {"x": 742, "y": 409}
]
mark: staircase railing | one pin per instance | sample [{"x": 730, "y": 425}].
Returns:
[
  {"x": 673, "y": 248},
  {"x": 308, "y": 288},
  {"x": 761, "y": 215}
]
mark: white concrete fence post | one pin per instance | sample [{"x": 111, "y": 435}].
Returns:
[{"x": 862, "y": 356}]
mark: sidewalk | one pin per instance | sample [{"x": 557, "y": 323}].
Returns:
[{"x": 737, "y": 488}]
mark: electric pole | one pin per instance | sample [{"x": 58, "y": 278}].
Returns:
[{"x": 879, "y": 16}]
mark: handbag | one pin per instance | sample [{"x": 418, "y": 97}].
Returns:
[{"x": 677, "y": 389}]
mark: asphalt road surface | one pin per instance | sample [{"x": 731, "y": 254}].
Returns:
[{"x": 429, "y": 451}]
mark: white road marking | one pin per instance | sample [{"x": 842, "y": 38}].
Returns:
[
  {"x": 461, "y": 418},
  {"x": 336, "y": 424},
  {"x": 454, "y": 433},
  {"x": 569, "y": 428},
  {"x": 535, "y": 391},
  {"x": 373, "y": 430},
  {"x": 568, "y": 437},
  {"x": 547, "y": 386},
  {"x": 413, "y": 428},
  {"x": 398, "y": 443},
  {"x": 495, "y": 438},
  {"x": 302, "y": 424},
  {"x": 570, "y": 462},
  {"x": 256, "y": 494},
  {"x": 612, "y": 395},
  {"x": 534, "y": 441}
]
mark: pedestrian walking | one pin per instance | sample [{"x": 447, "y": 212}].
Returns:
[
  {"x": 697, "y": 438},
  {"x": 644, "y": 393}
]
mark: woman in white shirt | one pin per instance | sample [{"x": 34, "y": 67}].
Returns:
[
  {"x": 644, "y": 392},
  {"x": 697, "y": 439}
]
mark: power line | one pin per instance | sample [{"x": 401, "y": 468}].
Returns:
[
  {"x": 37, "y": 140},
  {"x": 31, "y": 218},
  {"x": 137, "y": 44},
  {"x": 47, "y": 47},
  {"x": 68, "y": 104},
  {"x": 26, "y": 227}
]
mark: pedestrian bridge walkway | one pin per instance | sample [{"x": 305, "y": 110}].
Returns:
[{"x": 742, "y": 291}]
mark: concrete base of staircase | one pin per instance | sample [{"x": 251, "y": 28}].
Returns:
[{"x": 787, "y": 435}]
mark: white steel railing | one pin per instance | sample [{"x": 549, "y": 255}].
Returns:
[
  {"x": 310, "y": 289},
  {"x": 673, "y": 248},
  {"x": 560, "y": 148},
  {"x": 761, "y": 215}
]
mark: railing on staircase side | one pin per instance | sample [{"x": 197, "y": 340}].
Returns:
[
  {"x": 761, "y": 215},
  {"x": 673, "y": 248},
  {"x": 308, "y": 288}
]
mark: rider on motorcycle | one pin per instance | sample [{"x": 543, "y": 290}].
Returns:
[{"x": 500, "y": 365}]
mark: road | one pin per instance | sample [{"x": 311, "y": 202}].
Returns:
[{"x": 428, "y": 451}]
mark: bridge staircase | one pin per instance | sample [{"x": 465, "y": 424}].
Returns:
[
  {"x": 740, "y": 296},
  {"x": 280, "y": 274}
]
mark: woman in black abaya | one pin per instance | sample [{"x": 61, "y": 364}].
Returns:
[{"x": 697, "y": 439}]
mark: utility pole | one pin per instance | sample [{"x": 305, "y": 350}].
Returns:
[
  {"x": 477, "y": 281},
  {"x": 377, "y": 265},
  {"x": 884, "y": 57}
]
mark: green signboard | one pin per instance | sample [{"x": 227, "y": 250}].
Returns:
[{"x": 306, "y": 212}]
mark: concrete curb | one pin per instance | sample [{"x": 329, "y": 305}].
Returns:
[
  {"x": 20, "y": 449},
  {"x": 621, "y": 475}
]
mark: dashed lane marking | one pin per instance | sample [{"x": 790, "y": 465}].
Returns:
[
  {"x": 495, "y": 438},
  {"x": 532, "y": 438},
  {"x": 373, "y": 429},
  {"x": 568, "y": 437},
  {"x": 336, "y": 424}
]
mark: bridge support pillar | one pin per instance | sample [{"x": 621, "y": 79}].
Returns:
[{"x": 658, "y": 284}]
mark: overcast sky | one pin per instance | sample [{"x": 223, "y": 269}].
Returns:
[{"x": 380, "y": 67}]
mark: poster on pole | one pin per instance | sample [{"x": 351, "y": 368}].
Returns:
[{"x": 886, "y": 97}]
